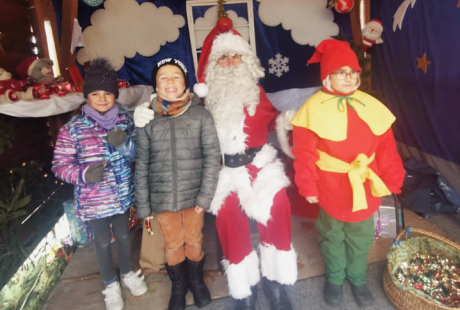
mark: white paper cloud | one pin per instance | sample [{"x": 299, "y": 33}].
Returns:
[
  {"x": 125, "y": 28},
  {"x": 209, "y": 21},
  {"x": 310, "y": 21}
]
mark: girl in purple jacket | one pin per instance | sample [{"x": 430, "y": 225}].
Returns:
[{"x": 94, "y": 151}]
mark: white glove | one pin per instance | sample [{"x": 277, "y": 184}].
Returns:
[{"x": 143, "y": 115}]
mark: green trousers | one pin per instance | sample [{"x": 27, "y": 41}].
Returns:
[{"x": 345, "y": 248}]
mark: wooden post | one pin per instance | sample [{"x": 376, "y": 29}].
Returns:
[
  {"x": 69, "y": 13},
  {"x": 356, "y": 25},
  {"x": 38, "y": 23}
]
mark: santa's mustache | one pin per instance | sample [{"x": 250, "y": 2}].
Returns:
[{"x": 371, "y": 35}]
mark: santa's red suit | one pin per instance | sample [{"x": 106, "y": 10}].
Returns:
[
  {"x": 252, "y": 184},
  {"x": 260, "y": 189}
]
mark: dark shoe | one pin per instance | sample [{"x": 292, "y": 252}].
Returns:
[
  {"x": 201, "y": 295},
  {"x": 179, "y": 288},
  {"x": 276, "y": 295},
  {"x": 248, "y": 303},
  {"x": 362, "y": 295},
  {"x": 333, "y": 295}
]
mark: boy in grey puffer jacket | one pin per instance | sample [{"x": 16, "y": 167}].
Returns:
[{"x": 177, "y": 167}]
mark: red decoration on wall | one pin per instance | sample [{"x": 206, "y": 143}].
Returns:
[{"x": 344, "y": 6}]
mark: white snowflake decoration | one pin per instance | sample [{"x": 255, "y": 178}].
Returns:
[{"x": 278, "y": 65}]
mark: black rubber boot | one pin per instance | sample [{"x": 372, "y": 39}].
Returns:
[
  {"x": 201, "y": 295},
  {"x": 179, "y": 288},
  {"x": 362, "y": 295},
  {"x": 333, "y": 295},
  {"x": 276, "y": 295},
  {"x": 248, "y": 303}
]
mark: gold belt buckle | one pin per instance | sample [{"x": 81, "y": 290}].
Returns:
[{"x": 223, "y": 159}]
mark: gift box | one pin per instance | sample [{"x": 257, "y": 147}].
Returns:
[
  {"x": 73, "y": 76},
  {"x": 385, "y": 219},
  {"x": 80, "y": 231}
]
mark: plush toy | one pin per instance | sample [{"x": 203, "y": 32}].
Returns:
[
  {"x": 372, "y": 33},
  {"x": 12, "y": 90},
  {"x": 38, "y": 70}
]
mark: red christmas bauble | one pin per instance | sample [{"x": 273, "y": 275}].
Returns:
[
  {"x": 344, "y": 6},
  {"x": 224, "y": 24}
]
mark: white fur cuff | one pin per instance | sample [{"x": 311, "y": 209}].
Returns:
[
  {"x": 277, "y": 265},
  {"x": 242, "y": 276}
]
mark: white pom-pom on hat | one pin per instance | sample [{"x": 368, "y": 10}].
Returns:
[{"x": 201, "y": 89}]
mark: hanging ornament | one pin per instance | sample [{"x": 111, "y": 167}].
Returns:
[
  {"x": 224, "y": 23},
  {"x": 342, "y": 6},
  {"x": 93, "y": 2}
]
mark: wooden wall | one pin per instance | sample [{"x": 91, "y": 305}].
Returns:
[
  {"x": 15, "y": 26},
  {"x": 20, "y": 21}
]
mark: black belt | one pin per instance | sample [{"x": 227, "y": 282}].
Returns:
[{"x": 238, "y": 160}]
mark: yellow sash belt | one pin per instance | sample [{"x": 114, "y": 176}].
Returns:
[{"x": 358, "y": 172}]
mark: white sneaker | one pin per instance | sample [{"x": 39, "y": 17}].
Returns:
[
  {"x": 113, "y": 299},
  {"x": 134, "y": 281}
]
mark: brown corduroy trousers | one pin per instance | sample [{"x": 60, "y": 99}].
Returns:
[{"x": 182, "y": 234}]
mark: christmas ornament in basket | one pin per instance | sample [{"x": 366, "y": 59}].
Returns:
[{"x": 423, "y": 272}]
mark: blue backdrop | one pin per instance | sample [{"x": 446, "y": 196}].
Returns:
[
  {"x": 269, "y": 42},
  {"x": 427, "y": 106}
]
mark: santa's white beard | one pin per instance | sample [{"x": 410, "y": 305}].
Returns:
[
  {"x": 370, "y": 36},
  {"x": 231, "y": 89}
]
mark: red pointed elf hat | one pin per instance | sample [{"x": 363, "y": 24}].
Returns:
[{"x": 332, "y": 55}]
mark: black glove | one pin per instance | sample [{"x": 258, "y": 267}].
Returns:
[
  {"x": 116, "y": 137},
  {"x": 94, "y": 173}
]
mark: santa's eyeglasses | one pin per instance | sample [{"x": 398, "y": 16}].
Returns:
[
  {"x": 341, "y": 75},
  {"x": 228, "y": 57}
]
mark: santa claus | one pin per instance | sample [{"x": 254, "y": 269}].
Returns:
[
  {"x": 372, "y": 33},
  {"x": 252, "y": 181}
]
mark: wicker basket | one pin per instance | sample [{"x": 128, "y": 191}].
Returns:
[{"x": 409, "y": 298}]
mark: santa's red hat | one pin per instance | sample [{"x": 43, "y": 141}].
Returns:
[
  {"x": 376, "y": 23},
  {"x": 220, "y": 40},
  {"x": 24, "y": 69},
  {"x": 332, "y": 55}
]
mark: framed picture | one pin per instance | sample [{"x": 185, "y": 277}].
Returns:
[{"x": 202, "y": 17}]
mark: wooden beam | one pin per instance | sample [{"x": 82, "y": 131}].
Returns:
[
  {"x": 38, "y": 17},
  {"x": 51, "y": 17},
  {"x": 367, "y": 10},
  {"x": 356, "y": 25},
  {"x": 69, "y": 13}
]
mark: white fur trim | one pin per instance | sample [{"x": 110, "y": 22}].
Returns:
[
  {"x": 229, "y": 42},
  {"x": 201, "y": 89},
  {"x": 256, "y": 199},
  {"x": 283, "y": 127},
  {"x": 31, "y": 67},
  {"x": 242, "y": 276},
  {"x": 265, "y": 156},
  {"x": 257, "y": 202},
  {"x": 225, "y": 185},
  {"x": 279, "y": 266}
]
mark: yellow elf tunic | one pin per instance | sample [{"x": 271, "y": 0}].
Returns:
[{"x": 343, "y": 135}]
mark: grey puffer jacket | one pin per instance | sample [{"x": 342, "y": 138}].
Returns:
[{"x": 177, "y": 162}]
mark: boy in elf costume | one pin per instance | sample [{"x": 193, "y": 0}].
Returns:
[{"x": 345, "y": 160}]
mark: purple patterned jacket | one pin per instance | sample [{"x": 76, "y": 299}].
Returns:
[{"x": 82, "y": 142}]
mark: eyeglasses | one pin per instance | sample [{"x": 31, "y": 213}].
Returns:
[
  {"x": 341, "y": 75},
  {"x": 228, "y": 57}
]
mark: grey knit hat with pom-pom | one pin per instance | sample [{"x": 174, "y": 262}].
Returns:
[{"x": 100, "y": 75}]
